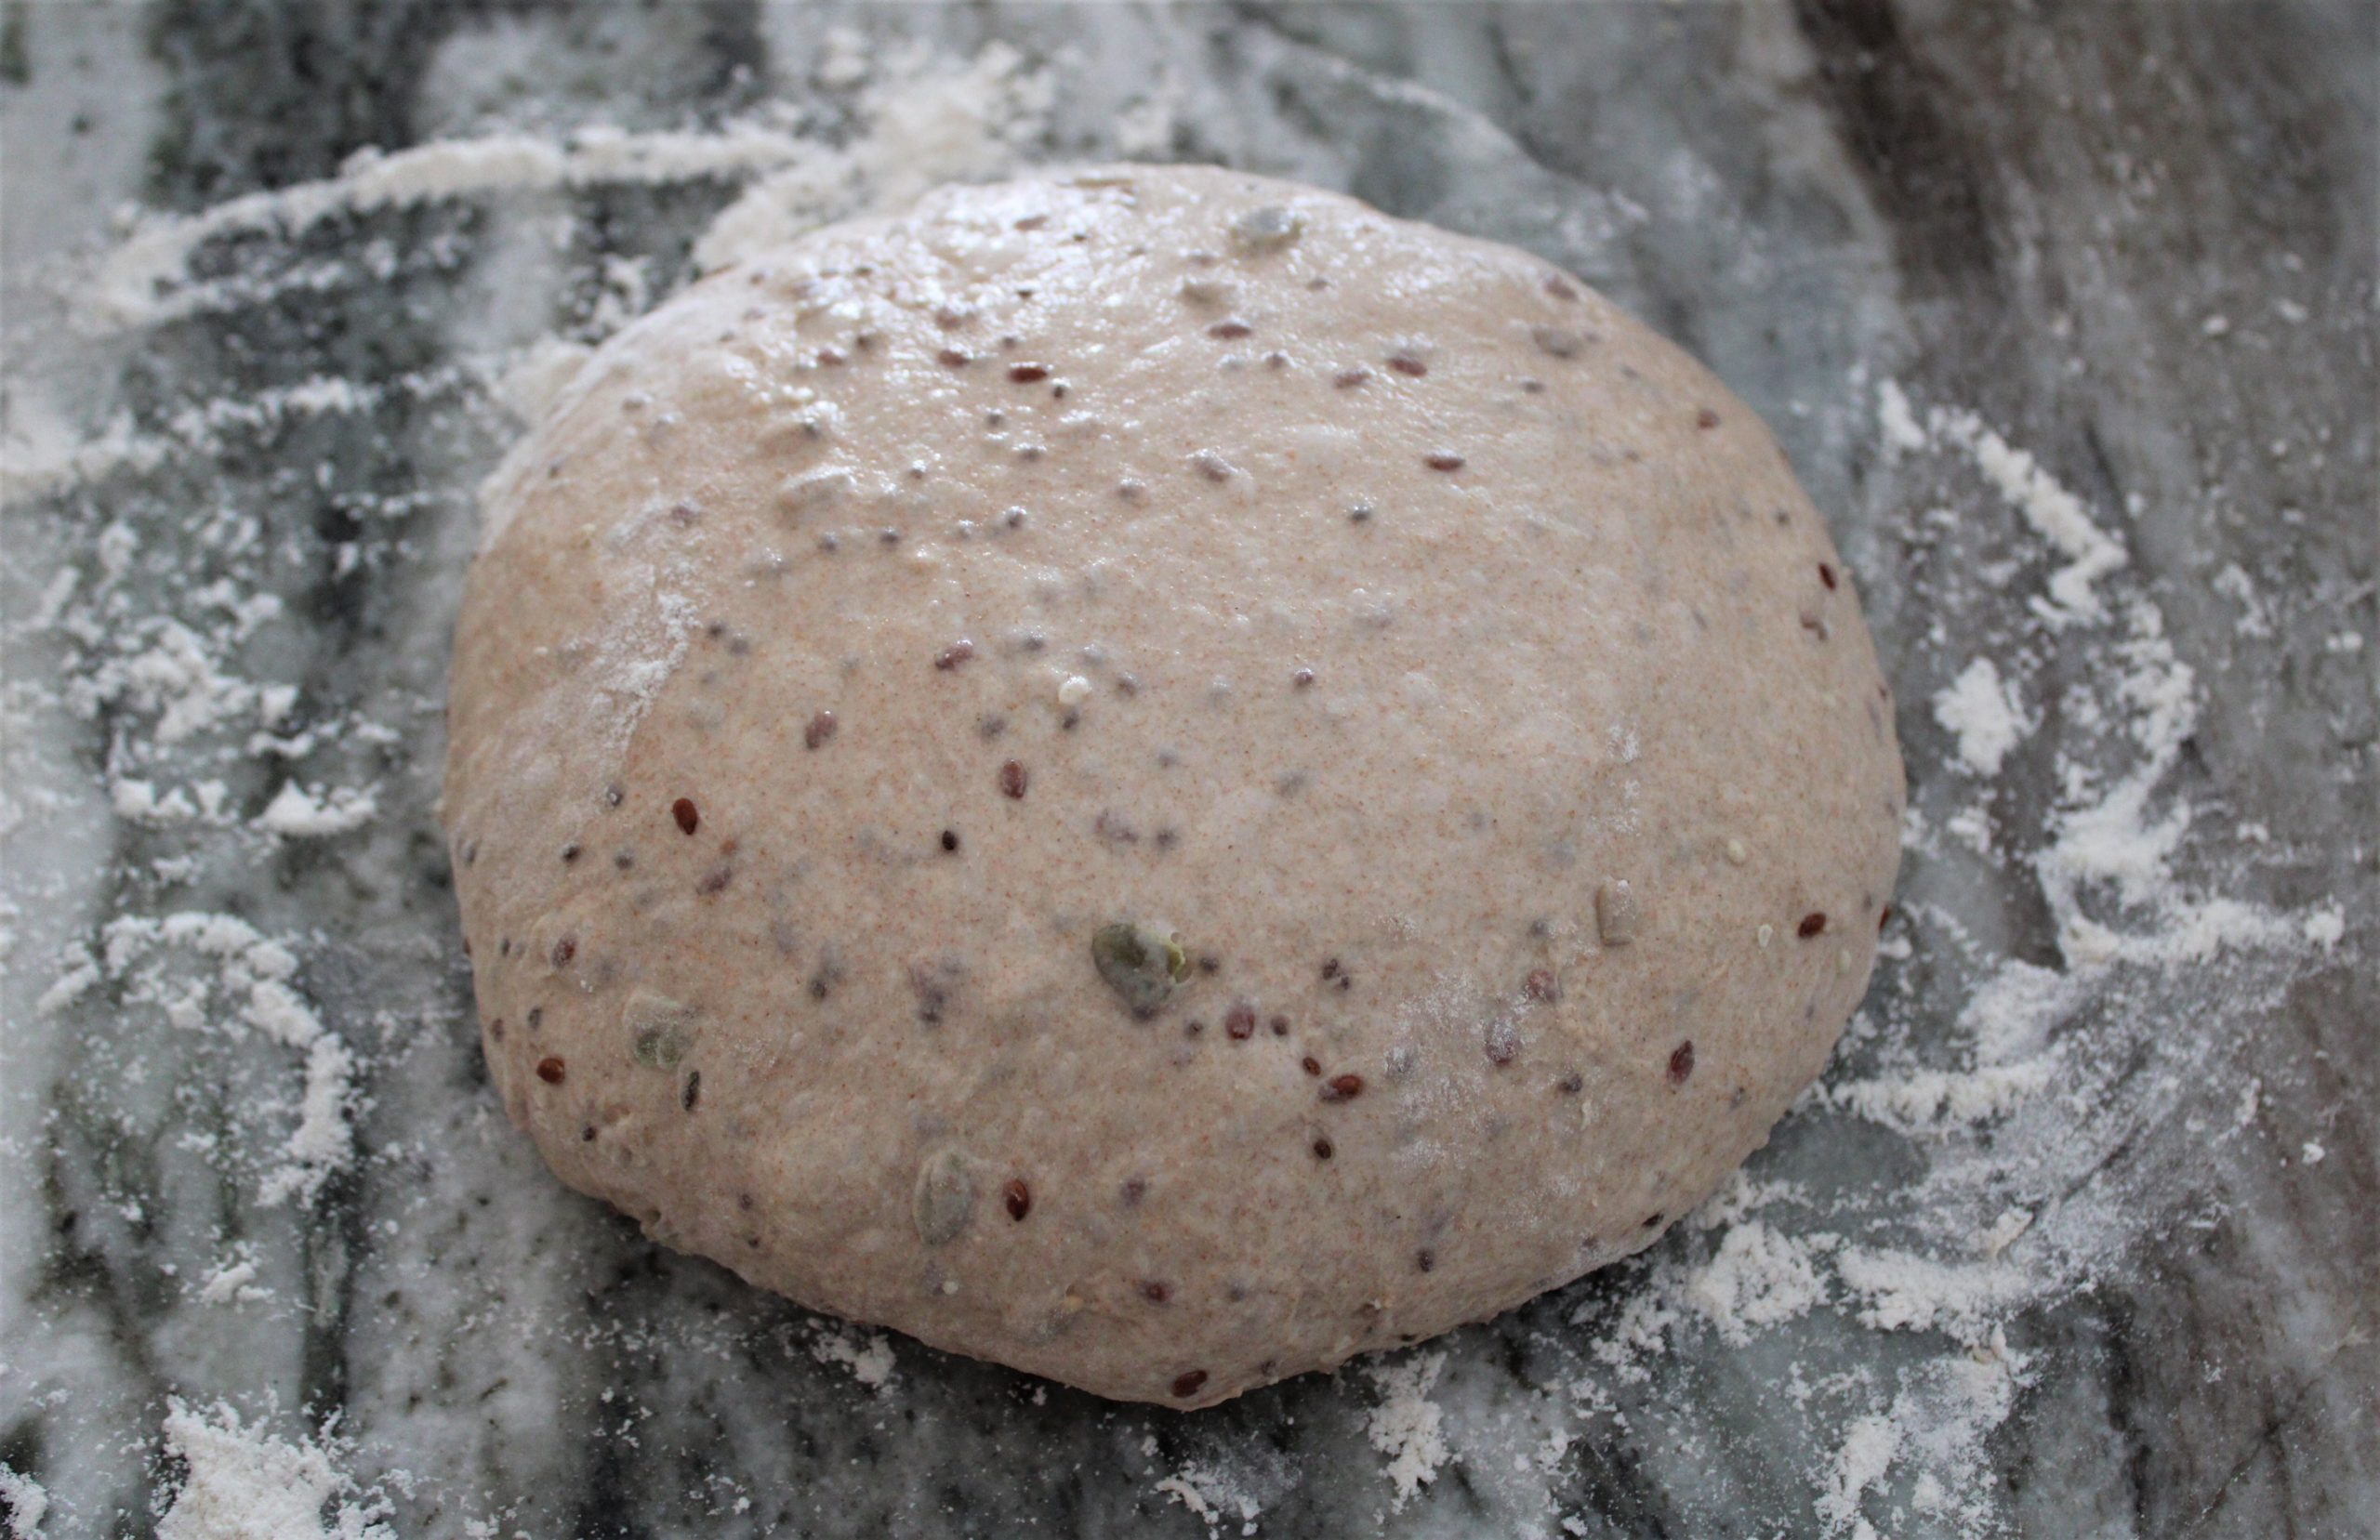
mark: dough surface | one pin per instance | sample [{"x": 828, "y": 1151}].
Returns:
[{"x": 1155, "y": 776}]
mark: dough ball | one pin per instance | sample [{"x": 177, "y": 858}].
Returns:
[{"x": 1155, "y": 776}]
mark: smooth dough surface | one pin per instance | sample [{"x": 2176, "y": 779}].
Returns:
[{"x": 890, "y": 652}]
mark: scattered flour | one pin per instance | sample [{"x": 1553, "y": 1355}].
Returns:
[
  {"x": 1931, "y": 1102},
  {"x": 922, "y": 127},
  {"x": 252, "y": 978},
  {"x": 868, "y": 1355},
  {"x": 1759, "y": 1277},
  {"x": 244, "y": 1485},
  {"x": 1214, "y": 1496},
  {"x": 233, "y": 1282},
  {"x": 1985, "y": 713},
  {"x": 1936, "y": 1422},
  {"x": 28, "y": 1504},
  {"x": 2055, "y": 513},
  {"x": 148, "y": 278},
  {"x": 1408, "y": 1426},
  {"x": 300, "y": 814},
  {"x": 2256, "y": 617}
]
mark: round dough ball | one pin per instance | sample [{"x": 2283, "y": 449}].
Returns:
[{"x": 1156, "y": 776}]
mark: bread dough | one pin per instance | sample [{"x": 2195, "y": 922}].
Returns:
[{"x": 1156, "y": 776}]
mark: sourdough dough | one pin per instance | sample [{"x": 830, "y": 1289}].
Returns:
[{"x": 1156, "y": 776}]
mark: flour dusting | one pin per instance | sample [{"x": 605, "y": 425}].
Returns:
[
  {"x": 244, "y": 983},
  {"x": 302, "y": 813},
  {"x": 27, "y": 1504},
  {"x": 1213, "y": 1495},
  {"x": 1408, "y": 1426},
  {"x": 868, "y": 1355},
  {"x": 923, "y": 127},
  {"x": 242, "y": 1483},
  {"x": 1984, "y": 714}
]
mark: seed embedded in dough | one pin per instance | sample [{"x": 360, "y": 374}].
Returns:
[
  {"x": 1558, "y": 341},
  {"x": 1267, "y": 228},
  {"x": 944, "y": 1201},
  {"x": 1737, "y": 853},
  {"x": 658, "y": 1028},
  {"x": 1140, "y": 965},
  {"x": 1618, "y": 914},
  {"x": 814, "y": 492},
  {"x": 1074, "y": 691}
]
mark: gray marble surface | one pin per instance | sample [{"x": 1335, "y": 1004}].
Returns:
[{"x": 2076, "y": 1237}]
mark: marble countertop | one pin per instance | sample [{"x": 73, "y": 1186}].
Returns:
[{"x": 2067, "y": 321}]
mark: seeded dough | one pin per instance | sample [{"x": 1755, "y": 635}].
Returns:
[{"x": 1155, "y": 776}]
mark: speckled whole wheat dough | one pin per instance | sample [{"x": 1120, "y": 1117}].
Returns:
[{"x": 1449, "y": 663}]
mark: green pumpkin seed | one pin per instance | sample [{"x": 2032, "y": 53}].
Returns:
[
  {"x": 1140, "y": 965},
  {"x": 659, "y": 1029}
]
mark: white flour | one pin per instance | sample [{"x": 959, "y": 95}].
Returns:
[
  {"x": 868, "y": 1355},
  {"x": 1985, "y": 713},
  {"x": 1408, "y": 1426},
  {"x": 299, "y": 814},
  {"x": 1213, "y": 1495},
  {"x": 924, "y": 127},
  {"x": 244, "y": 1485},
  {"x": 1759, "y": 1278},
  {"x": 244, "y": 984},
  {"x": 28, "y": 1504}
]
